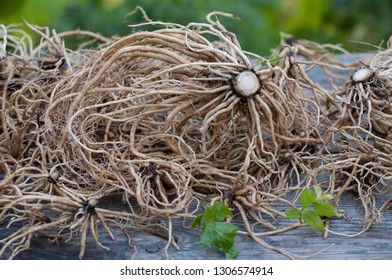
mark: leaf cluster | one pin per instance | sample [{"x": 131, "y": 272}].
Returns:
[
  {"x": 215, "y": 230},
  {"x": 273, "y": 60},
  {"x": 321, "y": 208}
]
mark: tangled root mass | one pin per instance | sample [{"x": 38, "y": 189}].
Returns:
[{"x": 169, "y": 118}]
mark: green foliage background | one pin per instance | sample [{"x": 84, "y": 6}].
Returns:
[{"x": 258, "y": 27}]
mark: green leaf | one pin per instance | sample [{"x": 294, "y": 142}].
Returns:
[
  {"x": 274, "y": 59},
  {"x": 197, "y": 221},
  {"x": 221, "y": 235},
  {"x": 324, "y": 209},
  {"x": 326, "y": 197},
  {"x": 317, "y": 191},
  {"x": 222, "y": 212},
  {"x": 312, "y": 219},
  {"x": 219, "y": 211},
  {"x": 263, "y": 61},
  {"x": 232, "y": 253},
  {"x": 293, "y": 213},
  {"x": 218, "y": 234},
  {"x": 306, "y": 198}
]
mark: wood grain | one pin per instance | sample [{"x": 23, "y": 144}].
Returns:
[{"x": 374, "y": 244}]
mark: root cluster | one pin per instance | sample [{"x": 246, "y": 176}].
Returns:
[{"x": 171, "y": 118}]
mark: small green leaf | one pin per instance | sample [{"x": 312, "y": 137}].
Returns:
[
  {"x": 318, "y": 191},
  {"x": 207, "y": 237},
  {"x": 221, "y": 235},
  {"x": 307, "y": 197},
  {"x": 232, "y": 253},
  {"x": 197, "y": 221},
  {"x": 263, "y": 61},
  {"x": 324, "y": 209},
  {"x": 326, "y": 197},
  {"x": 312, "y": 219},
  {"x": 293, "y": 213},
  {"x": 218, "y": 234},
  {"x": 221, "y": 211},
  {"x": 274, "y": 59}
]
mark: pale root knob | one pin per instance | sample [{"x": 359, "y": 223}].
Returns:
[
  {"x": 246, "y": 83},
  {"x": 362, "y": 75}
]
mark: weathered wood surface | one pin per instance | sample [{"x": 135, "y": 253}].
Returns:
[{"x": 376, "y": 243}]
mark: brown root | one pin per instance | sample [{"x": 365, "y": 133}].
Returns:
[{"x": 176, "y": 116}]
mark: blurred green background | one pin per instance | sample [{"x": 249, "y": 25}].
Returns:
[{"x": 258, "y": 28}]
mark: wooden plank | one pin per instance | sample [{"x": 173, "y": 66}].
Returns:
[{"x": 376, "y": 243}]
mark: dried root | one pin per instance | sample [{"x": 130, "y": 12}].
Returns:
[
  {"x": 179, "y": 115},
  {"x": 358, "y": 142}
]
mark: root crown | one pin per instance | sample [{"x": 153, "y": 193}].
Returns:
[
  {"x": 362, "y": 75},
  {"x": 246, "y": 83}
]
